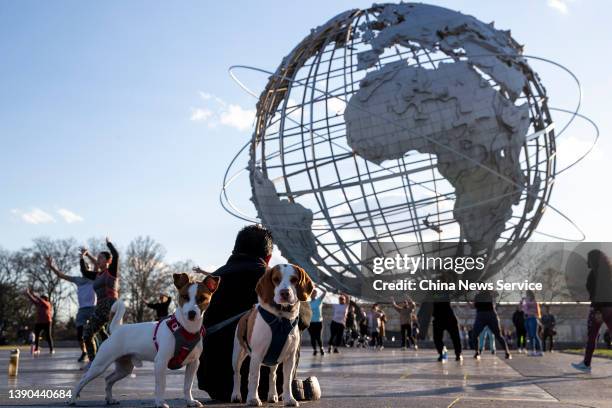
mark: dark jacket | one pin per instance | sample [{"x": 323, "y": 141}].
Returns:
[
  {"x": 599, "y": 286},
  {"x": 518, "y": 318},
  {"x": 235, "y": 295}
]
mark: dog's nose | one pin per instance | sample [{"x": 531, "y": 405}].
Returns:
[
  {"x": 284, "y": 293},
  {"x": 191, "y": 315}
]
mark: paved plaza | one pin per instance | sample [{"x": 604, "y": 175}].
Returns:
[{"x": 358, "y": 378}]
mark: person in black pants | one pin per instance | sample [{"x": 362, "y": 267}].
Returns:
[
  {"x": 316, "y": 322},
  {"x": 518, "y": 319},
  {"x": 161, "y": 308},
  {"x": 444, "y": 319},
  {"x": 486, "y": 316},
  {"x": 549, "y": 331}
]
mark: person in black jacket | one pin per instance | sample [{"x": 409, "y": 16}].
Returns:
[
  {"x": 486, "y": 316},
  {"x": 599, "y": 286},
  {"x": 235, "y": 295},
  {"x": 161, "y": 307},
  {"x": 444, "y": 320},
  {"x": 518, "y": 319}
]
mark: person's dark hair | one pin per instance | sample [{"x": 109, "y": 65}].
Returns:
[
  {"x": 107, "y": 255},
  {"x": 599, "y": 262},
  {"x": 45, "y": 297},
  {"x": 254, "y": 240}
]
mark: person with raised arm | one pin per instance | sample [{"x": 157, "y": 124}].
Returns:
[
  {"x": 44, "y": 314},
  {"x": 106, "y": 287},
  {"x": 316, "y": 322},
  {"x": 405, "y": 310},
  {"x": 85, "y": 295}
]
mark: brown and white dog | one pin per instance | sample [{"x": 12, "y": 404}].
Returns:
[
  {"x": 131, "y": 344},
  {"x": 269, "y": 332}
]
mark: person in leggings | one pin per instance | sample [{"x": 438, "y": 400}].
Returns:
[
  {"x": 338, "y": 323},
  {"x": 548, "y": 330},
  {"x": 316, "y": 322},
  {"x": 106, "y": 286},
  {"x": 599, "y": 286},
  {"x": 85, "y": 295},
  {"x": 518, "y": 319},
  {"x": 486, "y": 316},
  {"x": 531, "y": 309},
  {"x": 444, "y": 319},
  {"x": 44, "y": 313}
]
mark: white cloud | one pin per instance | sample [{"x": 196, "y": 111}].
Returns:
[
  {"x": 199, "y": 114},
  {"x": 219, "y": 112},
  {"x": 558, "y": 5},
  {"x": 237, "y": 117},
  {"x": 69, "y": 216},
  {"x": 35, "y": 216}
]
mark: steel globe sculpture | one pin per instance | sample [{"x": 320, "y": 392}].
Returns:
[{"x": 402, "y": 123}]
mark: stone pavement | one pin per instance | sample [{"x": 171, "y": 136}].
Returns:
[{"x": 357, "y": 378}]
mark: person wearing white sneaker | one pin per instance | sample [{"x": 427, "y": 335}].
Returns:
[
  {"x": 599, "y": 286},
  {"x": 531, "y": 308}
]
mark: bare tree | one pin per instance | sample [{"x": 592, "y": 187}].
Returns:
[
  {"x": 30, "y": 262},
  {"x": 14, "y": 307},
  {"x": 144, "y": 276}
]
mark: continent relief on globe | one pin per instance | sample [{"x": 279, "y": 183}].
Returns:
[{"x": 453, "y": 113}]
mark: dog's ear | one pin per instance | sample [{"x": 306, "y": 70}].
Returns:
[
  {"x": 304, "y": 286},
  {"x": 212, "y": 283},
  {"x": 265, "y": 287},
  {"x": 180, "y": 280}
]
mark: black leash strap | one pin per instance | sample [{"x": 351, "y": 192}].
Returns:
[{"x": 216, "y": 327}]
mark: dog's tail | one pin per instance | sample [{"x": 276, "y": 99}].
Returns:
[{"x": 118, "y": 310}]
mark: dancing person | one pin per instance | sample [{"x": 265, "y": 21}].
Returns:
[
  {"x": 316, "y": 322},
  {"x": 548, "y": 328},
  {"x": 106, "y": 287},
  {"x": 465, "y": 337},
  {"x": 405, "y": 310},
  {"x": 161, "y": 307},
  {"x": 375, "y": 316},
  {"x": 599, "y": 287},
  {"x": 518, "y": 319},
  {"x": 351, "y": 324},
  {"x": 338, "y": 323},
  {"x": 444, "y": 320},
  {"x": 486, "y": 337},
  {"x": 531, "y": 309},
  {"x": 44, "y": 313},
  {"x": 486, "y": 316},
  {"x": 86, "y": 298}
]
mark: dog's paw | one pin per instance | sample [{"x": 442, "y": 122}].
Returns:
[
  {"x": 236, "y": 398},
  {"x": 194, "y": 403},
  {"x": 254, "y": 402},
  {"x": 112, "y": 402},
  {"x": 161, "y": 404},
  {"x": 273, "y": 398},
  {"x": 292, "y": 402}
]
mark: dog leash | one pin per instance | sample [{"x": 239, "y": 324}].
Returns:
[{"x": 216, "y": 327}]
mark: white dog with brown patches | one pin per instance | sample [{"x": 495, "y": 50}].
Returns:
[
  {"x": 269, "y": 332},
  {"x": 170, "y": 343}
]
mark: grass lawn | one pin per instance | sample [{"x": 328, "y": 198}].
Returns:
[{"x": 600, "y": 352}]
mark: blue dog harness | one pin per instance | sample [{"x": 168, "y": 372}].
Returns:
[{"x": 280, "y": 327}]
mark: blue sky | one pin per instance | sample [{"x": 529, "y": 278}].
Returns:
[{"x": 119, "y": 118}]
